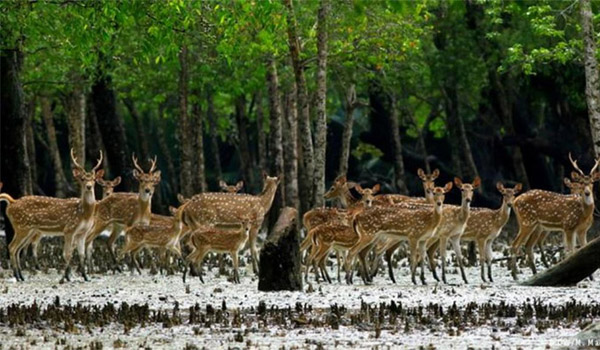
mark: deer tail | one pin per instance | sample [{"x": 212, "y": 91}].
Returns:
[{"x": 6, "y": 198}]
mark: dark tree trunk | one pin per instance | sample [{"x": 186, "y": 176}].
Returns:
[
  {"x": 321, "y": 106},
  {"x": 165, "y": 150},
  {"x": 243, "y": 143},
  {"x": 30, "y": 144},
  {"x": 186, "y": 178},
  {"x": 214, "y": 138},
  {"x": 140, "y": 131},
  {"x": 305, "y": 135},
  {"x": 93, "y": 136},
  {"x": 199, "y": 175},
  {"x": 110, "y": 124},
  {"x": 60, "y": 180},
  {"x": 350, "y": 105},
  {"x": 582, "y": 264},
  {"x": 290, "y": 150},
  {"x": 75, "y": 108},
  {"x": 592, "y": 76},
  {"x": 13, "y": 156},
  {"x": 399, "y": 176},
  {"x": 261, "y": 134},
  {"x": 275, "y": 138},
  {"x": 280, "y": 255}
]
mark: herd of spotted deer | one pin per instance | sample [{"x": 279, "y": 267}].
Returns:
[{"x": 366, "y": 228}]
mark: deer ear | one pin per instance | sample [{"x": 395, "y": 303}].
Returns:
[
  {"x": 477, "y": 182},
  {"x": 518, "y": 187},
  {"x": 181, "y": 198},
  {"x": 435, "y": 174},
  {"x": 77, "y": 173},
  {"x": 458, "y": 181},
  {"x": 136, "y": 174},
  {"x": 448, "y": 187},
  {"x": 595, "y": 176},
  {"x": 117, "y": 181},
  {"x": 172, "y": 210},
  {"x": 575, "y": 176},
  {"x": 376, "y": 188},
  {"x": 341, "y": 178},
  {"x": 99, "y": 174},
  {"x": 265, "y": 175},
  {"x": 239, "y": 185},
  {"x": 500, "y": 187},
  {"x": 222, "y": 184},
  {"x": 421, "y": 174},
  {"x": 156, "y": 176},
  {"x": 568, "y": 182},
  {"x": 359, "y": 189}
]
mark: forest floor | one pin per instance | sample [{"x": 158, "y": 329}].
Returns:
[{"x": 126, "y": 310}]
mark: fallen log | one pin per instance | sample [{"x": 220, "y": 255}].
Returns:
[
  {"x": 571, "y": 270},
  {"x": 280, "y": 255}
]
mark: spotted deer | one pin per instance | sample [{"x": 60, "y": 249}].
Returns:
[
  {"x": 231, "y": 188},
  {"x": 485, "y": 225},
  {"x": 68, "y": 217},
  {"x": 205, "y": 239},
  {"x": 544, "y": 210},
  {"x": 211, "y": 209},
  {"x": 454, "y": 221},
  {"x": 121, "y": 210},
  {"x": 108, "y": 186},
  {"x": 413, "y": 223},
  {"x": 163, "y": 233}
]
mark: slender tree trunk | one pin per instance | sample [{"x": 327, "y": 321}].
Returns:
[
  {"x": 93, "y": 136},
  {"x": 307, "y": 167},
  {"x": 110, "y": 124},
  {"x": 59, "y": 173},
  {"x": 350, "y": 105},
  {"x": 140, "y": 131},
  {"x": 14, "y": 163},
  {"x": 275, "y": 138},
  {"x": 394, "y": 118},
  {"x": 592, "y": 77},
  {"x": 75, "y": 108},
  {"x": 290, "y": 150},
  {"x": 166, "y": 150},
  {"x": 243, "y": 141},
  {"x": 261, "y": 135},
  {"x": 30, "y": 144},
  {"x": 200, "y": 175},
  {"x": 185, "y": 173},
  {"x": 214, "y": 139},
  {"x": 321, "y": 108}
]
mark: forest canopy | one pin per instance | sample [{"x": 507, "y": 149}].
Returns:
[{"x": 224, "y": 90}]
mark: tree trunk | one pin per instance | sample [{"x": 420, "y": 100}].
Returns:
[
  {"x": 290, "y": 150},
  {"x": 321, "y": 107},
  {"x": 214, "y": 141},
  {"x": 592, "y": 77},
  {"x": 62, "y": 188},
  {"x": 243, "y": 143},
  {"x": 74, "y": 103},
  {"x": 200, "y": 175},
  {"x": 110, "y": 124},
  {"x": 399, "y": 176},
  {"x": 13, "y": 155},
  {"x": 307, "y": 166},
  {"x": 165, "y": 150},
  {"x": 349, "y": 107},
  {"x": 261, "y": 135},
  {"x": 30, "y": 144},
  {"x": 93, "y": 136},
  {"x": 275, "y": 138},
  {"x": 185, "y": 172},
  {"x": 572, "y": 270},
  {"x": 280, "y": 255},
  {"x": 140, "y": 131}
]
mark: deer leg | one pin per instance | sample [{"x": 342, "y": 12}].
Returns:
[
  {"x": 320, "y": 257},
  {"x": 443, "y": 242},
  {"x": 35, "y": 242},
  {"x": 81, "y": 253},
  {"x": 524, "y": 233},
  {"x": 338, "y": 256},
  {"x": 362, "y": 257},
  {"x": 112, "y": 239},
  {"x": 134, "y": 257},
  {"x": 529, "y": 251},
  {"x": 488, "y": 258},
  {"x": 253, "y": 250},
  {"x": 422, "y": 252},
  {"x": 389, "y": 258},
  {"x": 363, "y": 242},
  {"x": 455, "y": 241},
  {"x": 413, "y": 245},
  {"x": 13, "y": 249},
  {"x": 201, "y": 255},
  {"x": 431, "y": 257},
  {"x": 481, "y": 245},
  {"x": 67, "y": 255}
]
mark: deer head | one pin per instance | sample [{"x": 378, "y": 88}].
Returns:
[
  {"x": 340, "y": 189},
  {"x": 87, "y": 180},
  {"x": 428, "y": 182},
  {"x": 108, "y": 186},
  {"x": 586, "y": 181},
  {"x": 467, "y": 188},
  {"x": 508, "y": 194},
  {"x": 368, "y": 194},
  {"x": 148, "y": 181},
  {"x": 439, "y": 194},
  {"x": 231, "y": 189}
]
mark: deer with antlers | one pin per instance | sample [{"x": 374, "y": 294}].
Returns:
[
  {"x": 68, "y": 217},
  {"x": 544, "y": 210},
  {"x": 485, "y": 225},
  {"x": 454, "y": 221},
  {"x": 121, "y": 210},
  {"x": 212, "y": 209},
  {"x": 415, "y": 223}
]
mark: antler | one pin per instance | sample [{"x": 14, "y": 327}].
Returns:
[
  {"x": 574, "y": 163},
  {"x": 135, "y": 163},
  {"x": 99, "y": 161},
  {"x": 153, "y": 162},
  {"x": 595, "y": 166},
  {"x": 74, "y": 159}
]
